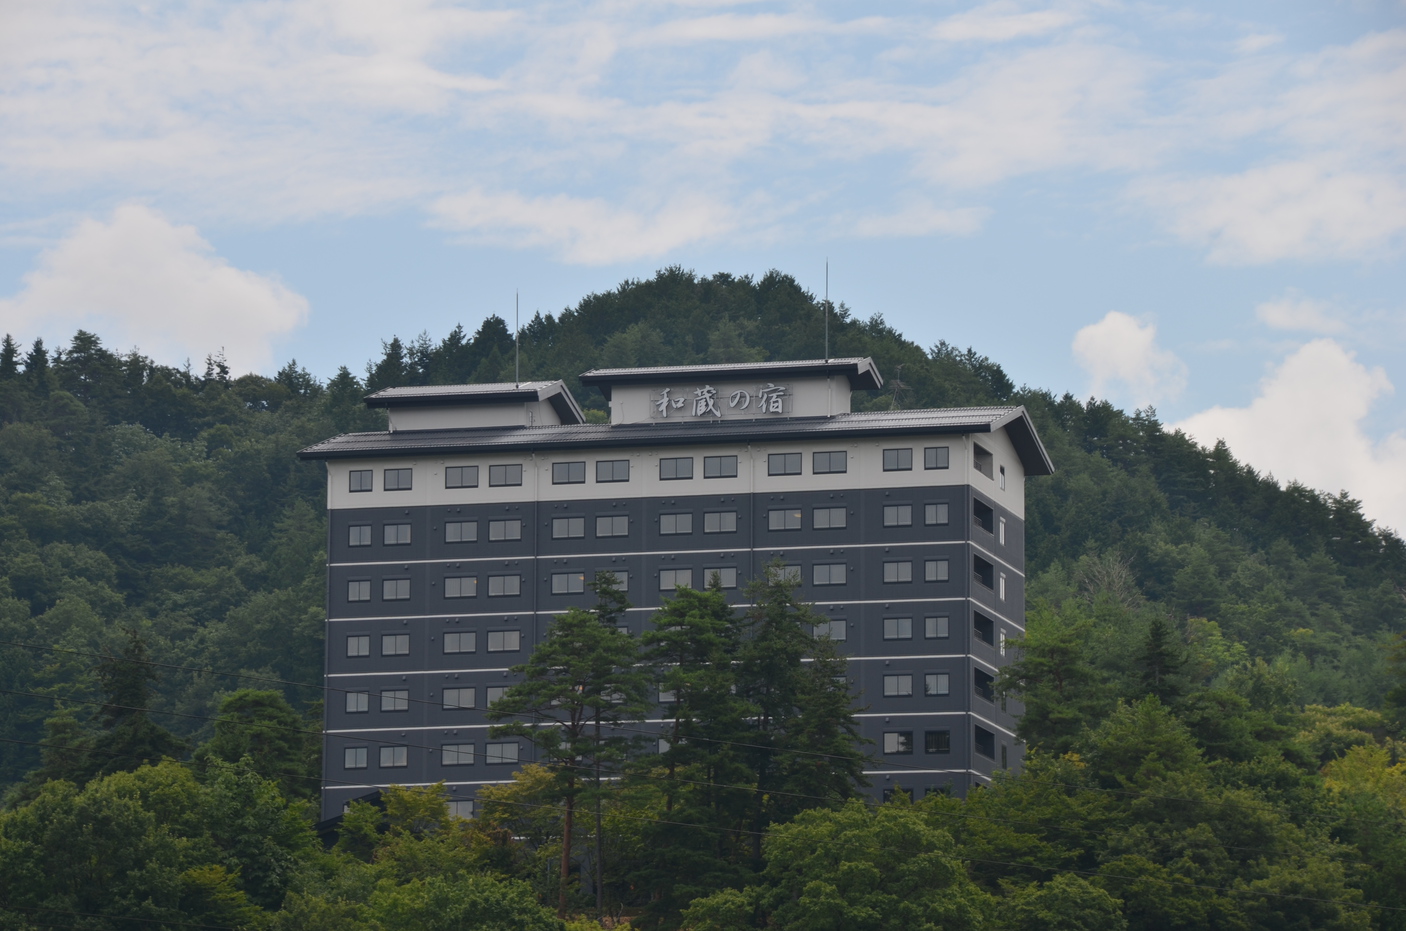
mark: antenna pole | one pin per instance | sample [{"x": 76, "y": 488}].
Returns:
[
  {"x": 827, "y": 310},
  {"x": 517, "y": 342}
]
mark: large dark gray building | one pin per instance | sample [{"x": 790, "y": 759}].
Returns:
[{"x": 485, "y": 509}]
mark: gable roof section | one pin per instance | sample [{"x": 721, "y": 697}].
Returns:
[{"x": 554, "y": 392}]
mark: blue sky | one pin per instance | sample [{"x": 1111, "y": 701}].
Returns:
[{"x": 1196, "y": 206}]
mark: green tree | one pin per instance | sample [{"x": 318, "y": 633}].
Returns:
[
  {"x": 1053, "y": 677},
  {"x": 262, "y": 726}
]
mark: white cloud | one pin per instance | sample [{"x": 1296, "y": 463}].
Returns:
[
  {"x": 1000, "y": 22},
  {"x": 1307, "y": 425},
  {"x": 1258, "y": 42},
  {"x": 1123, "y": 360},
  {"x": 921, "y": 219},
  {"x": 140, "y": 280},
  {"x": 1294, "y": 311}
]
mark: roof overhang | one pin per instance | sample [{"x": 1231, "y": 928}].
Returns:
[{"x": 553, "y": 392}]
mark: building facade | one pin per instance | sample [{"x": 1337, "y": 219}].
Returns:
[{"x": 484, "y": 510}]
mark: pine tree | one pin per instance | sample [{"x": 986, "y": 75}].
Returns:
[
  {"x": 1160, "y": 664},
  {"x": 9, "y": 358}
]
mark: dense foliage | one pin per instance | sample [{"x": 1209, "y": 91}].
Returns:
[{"x": 1214, "y": 674}]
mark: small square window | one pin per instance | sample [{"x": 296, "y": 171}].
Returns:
[
  {"x": 461, "y": 476},
  {"x": 501, "y": 586},
  {"x": 828, "y": 518},
  {"x": 501, "y": 475},
  {"x": 899, "y": 685},
  {"x": 900, "y": 570},
  {"x": 937, "y": 627},
  {"x": 394, "y": 757},
  {"x": 500, "y": 753},
  {"x": 492, "y": 693},
  {"x": 898, "y": 742},
  {"x": 613, "y": 470},
  {"x": 395, "y": 644},
  {"x": 569, "y": 473},
  {"x": 674, "y": 524},
  {"x": 937, "y": 684},
  {"x": 783, "y": 519},
  {"x": 674, "y": 469},
  {"x": 397, "y": 479},
  {"x": 898, "y": 515},
  {"x": 462, "y": 807},
  {"x": 359, "y": 535},
  {"x": 361, "y": 480},
  {"x": 395, "y": 534},
  {"x": 898, "y": 628},
  {"x": 898, "y": 460},
  {"x": 568, "y": 583},
  {"x": 935, "y": 514},
  {"x": 359, "y": 590},
  {"x": 935, "y": 570},
  {"x": 727, "y": 576},
  {"x": 457, "y": 755},
  {"x": 460, "y": 699},
  {"x": 461, "y": 586},
  {"x": 720, "y": 467},
  {"x": 460, "y": 641},
  {"x": 936, "y": 457},
  {"x": 673, "y": 579},
  {"x": 504, "y": 641},
  {"x": 827, "y": 573},
  {"x": 506, "y": 529},
  {"x": 395, "y": 700},
  {"x": 823, "y": 463},
  {"x": 461, "y": 531},
  {"x": 937, "y": 741},
  {"x": 720, "y": 522},
  {"x": 354, "y": 758},
  {"x": 568, "y": 528},
  {"x": 622, "y": 578},
  {"x": 358, "y": 702},
  {"x": 835, "y": 630},
  {"x": 395, "y": 590},
  {"x": 783, "y": 464},
  {"x": 359, "y": 644},
  {"x": 613, "y": 525}
]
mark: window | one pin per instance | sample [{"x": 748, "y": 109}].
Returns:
[
  {"x": 359, "y": 535},
  {"x": 898, "y": 515},
  {"x": 1001, "y": 640},
  {"x": 937, "y": 627},
  {"x": 395, "y": 700},
  {"x": 504, "y": 641},
  {"x": 983, "y": 515},
  {"x": 461, "y": 586},
  {"x": 359, "y": 645},
  {"x": 622, "y": 578},
  {"x": 506, "y": 529},
  {"x": 937, "y": 683},
  {"x": 783, "y": 464},
  {"x": 677, "y": 468},
  {"x": 984, "y": 684},
  {"x": 395, "y": 534},
  {"x": 359, "y": 590},
  {"x": 790, "y": 573},
  {"x": 395, "y": 590},
  {"x": 835, "y": 630},
  {"x": 499, "y": 475},
  {"x": 934, "y": 514},
  {"x": 983, "y": 460},
  {"x": 358, "y": 702},
  {"x": 1001, "y": 531},
  {"x": 613, "y": 470},
  {"x": 456, "y": 641},
  {"x": 898, "y": 742},
  {"x": 569, "y": 473},
  {"x": 672, "y": 579},
  {"x": 936, "y": 570},
  {"x": 783, "y": 519},
  {"x": 568, "y": 528},
  {"x": 461, "y": 699},
  {"x": 898, "y": 460},
  {"x": 397, "y": 479},
  {"x": 719, "y": 521},
  {"x": 354, "y": 758},
  {"x": 984, "y": 741},
  {"x": 500, "y": 752},
  {"x": 667, "y": 695},
  {"x": 822, "y": 463},
  {"x": 613, "y": 525},
  {"x": 898, "y": 686},
  {"x": 1003, "y": 488},
  {"x": 983, "y": 627},
  {"x": 461, "y": 477},
  {"x": 898, "y": 628},
  {"x": 827, "y": 573},
  {"x": 500, "y": 586},
  {"x": 463, "y": 807},
  {"x": 727, "y": 576},
  {"x": 394, "y": 757},
  {"x": 457, "y": 755},
  {"x": 937, "y": 741},
  {"x": 935, "y": 457},
  {"x": 492, "y": 693},
  {"x": 1001, "y": 588},
  {"x": 568, "y": 583},
  {"x": 720, "y": 467},
  {"x": 461, "y": 531},
  {"x": 983, "y": 572},
  {"x": 671, "y": 524},
  {"x": 360, "y": 479},
  {"x": 899, "y": 570}
]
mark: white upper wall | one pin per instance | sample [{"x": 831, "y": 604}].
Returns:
[
  {"x": 453, "y": 416},
  {"x": 746, "y": 399}
]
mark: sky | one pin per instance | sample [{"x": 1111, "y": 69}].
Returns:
[{"x": 1199, "y": 207}]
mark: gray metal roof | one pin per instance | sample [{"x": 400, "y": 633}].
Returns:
[
  {"x": 554, "y": 392},
  {"x": 954, "y": 420},
  {"x": 861, "y": 372}
]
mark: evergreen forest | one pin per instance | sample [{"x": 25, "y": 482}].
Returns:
[{"x": 1214, "y": 674}]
